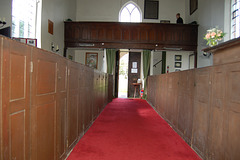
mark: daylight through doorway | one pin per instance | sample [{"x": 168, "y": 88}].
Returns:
[{"x": 123, "y": 75}]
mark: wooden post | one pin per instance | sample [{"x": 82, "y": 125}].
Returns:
[
  {"x": 196, "y": 58},
  {"x": 65, "y": 52}
]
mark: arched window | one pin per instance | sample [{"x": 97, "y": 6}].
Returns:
[{"x": 130, "y": 12}]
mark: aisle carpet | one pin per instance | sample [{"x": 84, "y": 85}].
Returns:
[{"x": 131, "y": 130}]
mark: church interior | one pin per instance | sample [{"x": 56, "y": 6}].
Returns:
[{"x": 119, "y": 80}]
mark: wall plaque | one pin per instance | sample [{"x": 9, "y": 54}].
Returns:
[
  {"x": 50, "y": 27},
  {"x": 151, "y": 9}
]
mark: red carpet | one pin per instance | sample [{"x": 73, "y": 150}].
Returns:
[{"x": 131, "y": 130}]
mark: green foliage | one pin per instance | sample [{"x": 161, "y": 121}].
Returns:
[{"x": 122, "y": 70}]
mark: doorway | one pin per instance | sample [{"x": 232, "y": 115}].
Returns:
[
  {"x": 123, "y": 74},
  {"x": 128, "y": 71},
  {"x": 134, "y": 73}
]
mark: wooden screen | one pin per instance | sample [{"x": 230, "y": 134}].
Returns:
[
  {"x": 203, "y": 106},
  {"x": 15, "y": 100},
  {"x": 46, "y": 101},
  {"x": 131, "y": 35},
  {"x": 43, "y": 105}
]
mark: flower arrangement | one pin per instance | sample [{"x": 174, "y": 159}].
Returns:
[{"x": 213, "y": 36}]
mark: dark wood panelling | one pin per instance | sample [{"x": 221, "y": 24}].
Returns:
[
  {"x": 217, "y": 116},
  {"x": 94, "y": 34},
  {"x": 82, "y": 99},
  {"x": 82, "y": 84},
  {"x": 106, "y": 89},
  {"x": 185, "y": 104},
  {"x": 135, "y": 35},
  {"x": 1, "y": 54},
  {"x": 73, "y": 97},
  {"x": 16, "y": 100},
  {"x": 207, "y": 115},
  {"x": 224, "y": 111},
  {"x": 224, "y": 52},
  {"x": 45, "y": 132},
  {"x": 109, "y": 34},
  {"x": 171, "y": 106},
  {"x": 101, "y": 92},
  {"x": 42, "y": 113},
  {"x": 201, "y": 110},
  {"x": 117, "y": 34},
  {"x": 152, "y": 35},
  {"x": 143, "y": 35},
  {"x": 89, "y": 97},
  {"x": 162, "y": 103},
  {"x": 126, "y": 34},
  {"x": 101, "y": 33},
  {"x": 62, "y": 107},
  {"x": 208, "y": 103},
  {"x": 43, "y": 105},
  {"x": 96, "y": 81},
  {"x": 232, "y": 112},
  {"x": 84, "y": 33}
]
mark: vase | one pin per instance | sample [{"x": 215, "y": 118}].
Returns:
[{"x": 213, "y": 43}]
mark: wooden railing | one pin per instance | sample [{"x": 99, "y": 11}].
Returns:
[
  {"x": 203, "y": 105},
  {"x": 46, "y": 102},
  {"x": 131, "y": 35}
]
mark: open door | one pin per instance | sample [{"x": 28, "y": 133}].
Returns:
[
  {"x": 117, "y": 73},
  {"x": 134, "y": 69}
]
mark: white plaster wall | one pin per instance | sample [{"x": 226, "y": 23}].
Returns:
[
  {"x": 104, "y": 63},
  {"x": 210, "y": 13},
  {"x": 6, "y": 11},
  {"x": 157, "y": 56},
  {"x": 151, "y": 63},
  {"x": 192, "y": 61},
  {"x": 170, "y": 60},
  {"x": 57, "y": 11},
  {"x": 108, "y": 10},
  {"x": 71, "y": 52},
  {"x": 80, "y": 56}
]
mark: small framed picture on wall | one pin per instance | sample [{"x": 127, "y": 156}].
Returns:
[
  {"x": 193, "y": 6},
  {"x": 91, "y": 60},
  {"x": 29, "y": 41},
  {"x": 178, "y": 64},
  {"x": 178, "y": 57}
]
